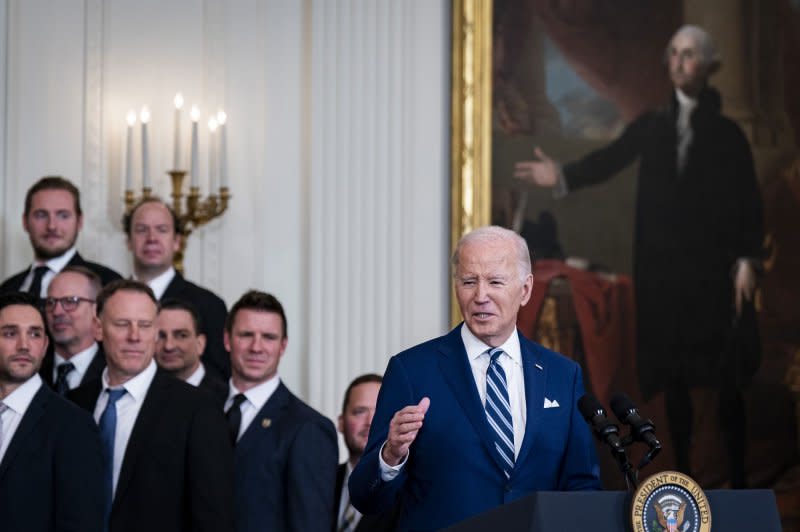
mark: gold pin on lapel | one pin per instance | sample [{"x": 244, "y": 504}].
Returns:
[{"x": 266, "y": 422}]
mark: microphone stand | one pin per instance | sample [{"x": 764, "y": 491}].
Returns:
[{"x": 625, "y": 466}]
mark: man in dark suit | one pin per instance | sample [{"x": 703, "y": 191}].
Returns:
[
  {"x": 168, "y": 455},
  {"x": 697, "y": 243},
  {"x": 51, "y": 474},
  {"x": 481, "y": 416},
  {"x": 286, "y": 452},
  {"x": 355, "y": 420},
  {"x": 180, "y": 347},
  {"x": 154, "y": 236},
  {"x": 76, "y": 357},
  {"x": 52, "y": 218}
]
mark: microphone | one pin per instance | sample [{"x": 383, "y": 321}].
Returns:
[
  {"x": 641, "y": 429},
  {"x": 595, "y": 415}
]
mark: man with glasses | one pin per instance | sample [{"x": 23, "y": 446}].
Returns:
[{"x": 70, "y": 309}]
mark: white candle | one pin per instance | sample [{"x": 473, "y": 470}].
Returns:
[
  {"x": 131, "y": 118},
  {"x": 195, "y": 114},
  {"x": 212, "y": 156},
  {"x": 144, "y": 117},
  {"x": 176, "y": 152},
  {"x": 222, "y": 146}
]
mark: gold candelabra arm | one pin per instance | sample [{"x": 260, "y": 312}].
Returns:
[
  {"x": 224, "y": 197},
  {"x": 131, "y": 199}
]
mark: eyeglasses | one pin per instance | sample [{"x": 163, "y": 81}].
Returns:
[{"x": 68, "y": 303}]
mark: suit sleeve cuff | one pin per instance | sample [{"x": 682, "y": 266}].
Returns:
[{"x": 388, "y": 473}]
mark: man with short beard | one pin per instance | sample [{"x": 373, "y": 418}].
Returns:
[
  {"x": 70, "y": 308},
  {"x": 51, "y": 473},
  {"x": 355, "y": 421},
  {"x": 52, "y": 218}
]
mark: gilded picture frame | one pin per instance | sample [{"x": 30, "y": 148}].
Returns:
[{"x": 471, "y": 142}]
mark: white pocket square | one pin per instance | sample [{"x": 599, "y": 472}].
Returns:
[{"x": 550, "y": 404}]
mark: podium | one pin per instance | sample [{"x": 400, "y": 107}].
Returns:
[{"x": 607, "y": 511}]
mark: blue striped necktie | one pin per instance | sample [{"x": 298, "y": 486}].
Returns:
[{"x": 498, "y": 410}]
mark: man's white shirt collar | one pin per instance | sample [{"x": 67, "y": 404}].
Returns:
[
  {"x": 20, "y": 399},
  {"x": 160, "y": 283},
  {"x": 475, "y": 347},
  {"x": 684, "y": 99},
  {"x": 257, "y": 395},
  {"x": 57, "y": 264},
  {"x": 197, "y": 376},
  {"x": 138, "y": 385},
  {"x": 80, "y": 360},
  {"x": 54, "y": 266}
]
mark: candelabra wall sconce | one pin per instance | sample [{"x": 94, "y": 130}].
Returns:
[{"x": 192, "y": 210}]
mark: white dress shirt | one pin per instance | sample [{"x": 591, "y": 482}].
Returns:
[
  {"x": 17, "y": 402},
  {"x": 256, "y": 396},
  {"x": 160, "y": 283},
  {"x": 511, "y": 362},
  {"x": 128, "y": 407},
  {"x": 55, "y": 265},
  {"x": 344, "y": 500},
  {"x": 478, "y": 356},
  {"x": 81, "y": 361},
  {"x": 686, "y": 106},
  {"x": 197, "y": 376}
]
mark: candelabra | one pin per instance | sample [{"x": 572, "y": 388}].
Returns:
[{"x": 196, "y": 213}]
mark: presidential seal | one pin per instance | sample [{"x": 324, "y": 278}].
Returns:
[{"x": 670, "y": 502}]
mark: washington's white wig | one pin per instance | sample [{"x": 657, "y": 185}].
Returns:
[{"x": 705, "y": 44}]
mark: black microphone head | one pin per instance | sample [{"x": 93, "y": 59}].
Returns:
[
  {"x": 589, "y": 407},
  {"x": 622, "y": 406}
]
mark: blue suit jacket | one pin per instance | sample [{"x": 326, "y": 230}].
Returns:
[
  {"x": 453, "y": 470},
  {"x": 286, "y": 468},
  {"x": 51, "y": 477}
]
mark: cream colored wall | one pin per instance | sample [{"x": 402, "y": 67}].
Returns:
[{"x": 338, "y": 140}]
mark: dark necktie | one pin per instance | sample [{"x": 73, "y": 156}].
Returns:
[
  {"x": 62, "y": 386},
  {"x": 108, "y": 431},
  {"x": 234, "y": 415},
  {"x": 498, "y": 410},
  {"x": 36, "y": 285}
]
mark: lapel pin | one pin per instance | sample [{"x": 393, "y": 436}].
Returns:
[
  {"x": 539, "y": 366},
  {"x": 266, "y": 422}
]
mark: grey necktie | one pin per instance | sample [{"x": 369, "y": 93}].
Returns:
[{"x": 348, "y": 517}]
